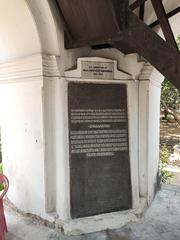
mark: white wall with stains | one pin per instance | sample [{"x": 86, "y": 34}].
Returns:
[{"x": 23, "y": 143}]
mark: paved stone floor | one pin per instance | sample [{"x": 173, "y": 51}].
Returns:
[{"x": 161, "y": 222}]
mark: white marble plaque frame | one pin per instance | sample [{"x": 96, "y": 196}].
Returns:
[
  {"x": 70, "y": 226},
  {"x": 97, "y": 68}
]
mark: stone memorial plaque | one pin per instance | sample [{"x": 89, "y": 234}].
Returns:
[
  {"x": 99, "y": 150},
  {"x": 97, "y": 70}
]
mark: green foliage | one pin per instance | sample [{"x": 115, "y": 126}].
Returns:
[
  {"x": 1, "y": 171},
  {"x": 1, "y": 168},
  {"x": 164, "y": 158},
  {"x": 169, "y": 94}
]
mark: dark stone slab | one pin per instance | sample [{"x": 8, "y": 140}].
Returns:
[{"x": 99, "y": 149}]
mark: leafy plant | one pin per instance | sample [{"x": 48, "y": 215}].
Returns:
[
  {"x": 170, "y": 95},
  {"x": 164, "y": 159},
  {"x": 1, "y": 168},
  {"x": 1, "y": 171}
]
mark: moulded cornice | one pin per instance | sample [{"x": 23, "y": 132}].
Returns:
[
  {"x": 149, "y": 73},
  {"x": 28, "y": 67},
  {"x": 146, "y": 72}
]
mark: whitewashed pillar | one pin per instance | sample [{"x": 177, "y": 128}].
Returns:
[{"x": 149, "y": 117}]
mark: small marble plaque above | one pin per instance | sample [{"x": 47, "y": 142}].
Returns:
[{"x": 97, "y": 70}]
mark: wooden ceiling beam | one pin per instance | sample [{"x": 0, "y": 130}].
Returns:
[
  {"x": 109, "y": 40},
  {"x": 136, "y": 4},
  {"x": 66, "y": 28},
  {"x": 164, "y": 23},
  {"x": 143, "y": 40},
  {"x": 169, "y": 15},
  {"x": 147, "y": 43}
]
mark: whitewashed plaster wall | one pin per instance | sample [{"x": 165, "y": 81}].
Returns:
[
  {"x": 149, "y": 109},
  {"x": 19, "y": 35},
  {"x": 22, "y": 139},
  {"x": 153, "y": 132},
  {"x": 31, "y": 103},
  {"x": 22, "y": 108}
]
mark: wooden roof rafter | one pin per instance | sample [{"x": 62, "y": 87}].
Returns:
[
  {"x": 136, "y": 4},
  {"x": 162, "y": 18},
  {"x": 164, "y": 22},
  {"x": 112, "y": 23},
  {"x": 169, "y": 15}
]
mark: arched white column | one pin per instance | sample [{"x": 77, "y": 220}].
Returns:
[
  {"x": 18, "y": 33},
  {"x": 44, "y": 20}
]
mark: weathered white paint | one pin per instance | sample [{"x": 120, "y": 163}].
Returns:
[
  {"x": 62, "y": 151},
  {"x": 22, "y": 142},
  {"x": 143, "y": 134},
  {"x": 153, "y": 132},
  {"x": 31, "y": 29},
  {"x": 133, "y": 140},
  {"x": 102, "y": 221},
  {"x": 149, "y": 109},
  {"x": 143, "y": 128}
]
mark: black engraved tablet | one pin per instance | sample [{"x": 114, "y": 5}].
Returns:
[{"x": 98, "y": 149}]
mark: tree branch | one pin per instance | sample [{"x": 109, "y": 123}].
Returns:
[{"x": 173, "y": 113}]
